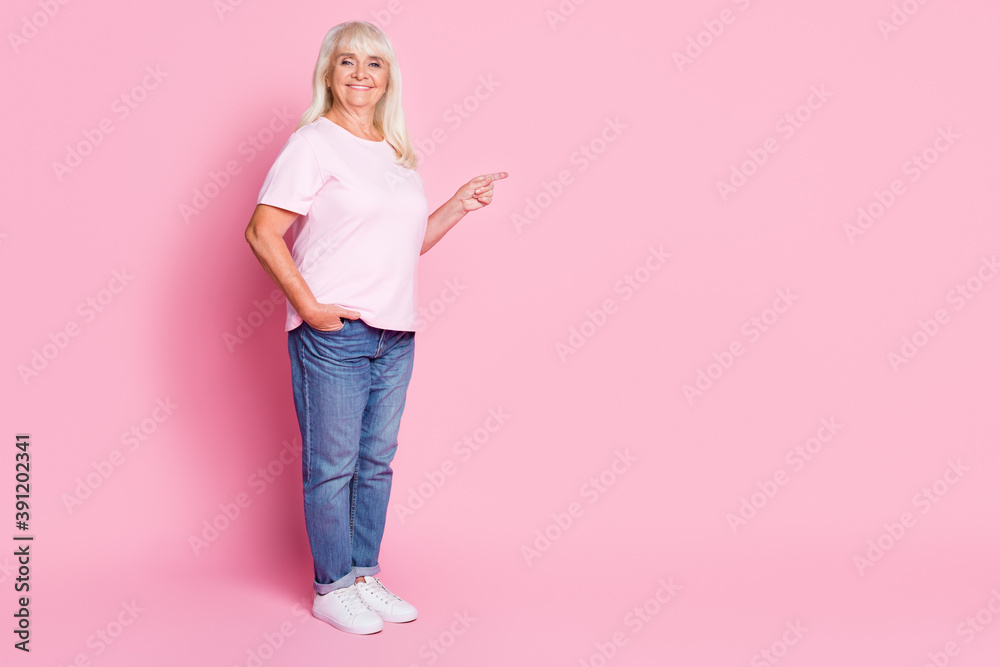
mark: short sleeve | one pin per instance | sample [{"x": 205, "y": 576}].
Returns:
[{"x": 294, "y": 178}]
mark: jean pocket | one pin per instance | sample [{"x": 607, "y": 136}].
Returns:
[{"x": 333, "y": 332}]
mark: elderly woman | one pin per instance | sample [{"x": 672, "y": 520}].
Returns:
[{"x": 346, "y": 184}]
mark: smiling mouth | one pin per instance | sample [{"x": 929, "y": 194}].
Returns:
[{"x": 359, "y": 87}]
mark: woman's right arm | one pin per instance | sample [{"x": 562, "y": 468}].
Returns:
[{"x": 268, "y": 225}]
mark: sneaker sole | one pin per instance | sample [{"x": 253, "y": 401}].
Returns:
[
  {"x": 397, "y": 618},
  {"x": 346, "y": 628}
]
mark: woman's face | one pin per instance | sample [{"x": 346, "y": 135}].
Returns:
[{"x": 357, "y": 80}]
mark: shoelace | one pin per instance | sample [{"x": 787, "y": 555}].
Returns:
[
  {"x": 375, "y": 587},
  {"x": 352, "y": 599}
]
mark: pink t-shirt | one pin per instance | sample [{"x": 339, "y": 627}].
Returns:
[{"x": 361, "y": 225}]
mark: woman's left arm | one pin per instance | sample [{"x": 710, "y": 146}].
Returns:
[{"x": 472, "y": 196}]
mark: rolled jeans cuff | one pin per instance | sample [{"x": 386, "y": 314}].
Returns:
[{"x": 343, "y": 582}]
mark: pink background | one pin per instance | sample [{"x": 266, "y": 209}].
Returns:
[{"x": 666, "y": 516}]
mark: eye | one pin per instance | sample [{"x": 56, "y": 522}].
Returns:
[
  {"x": 375, "y": 64},
  {"x": 345, "y": 61}
]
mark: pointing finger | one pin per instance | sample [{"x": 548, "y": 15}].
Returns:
[{"x": 494, "y": 177}]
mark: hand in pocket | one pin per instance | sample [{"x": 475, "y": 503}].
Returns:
[{"x": 328, "y": 317}]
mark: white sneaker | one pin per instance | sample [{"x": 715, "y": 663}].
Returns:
[
  {"x": 344, "y": 609},
  {"x": 389, "y": 606}
]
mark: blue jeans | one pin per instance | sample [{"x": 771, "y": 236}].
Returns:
[{"x": 350, "y": 388}]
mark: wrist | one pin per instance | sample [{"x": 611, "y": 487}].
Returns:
[
  {"x": 458, "y": 211},
  {"x": 307, "y": 311}
]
